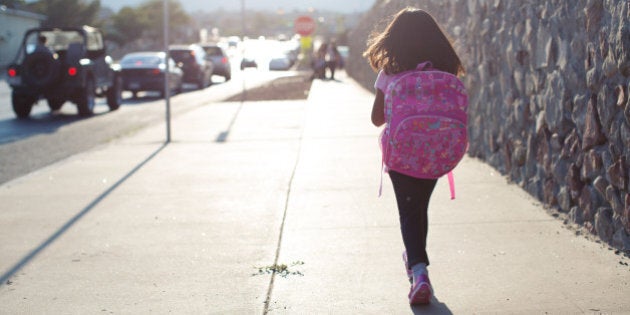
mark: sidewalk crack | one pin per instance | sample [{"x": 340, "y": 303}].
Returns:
[{"x": 284, "y": 217}]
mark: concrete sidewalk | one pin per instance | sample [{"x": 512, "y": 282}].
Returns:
[{"x": 197, "y": 226}]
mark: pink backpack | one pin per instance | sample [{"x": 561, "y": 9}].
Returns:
[{"x": 425, "y": 135}]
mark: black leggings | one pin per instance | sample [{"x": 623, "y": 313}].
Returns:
[
  {"x": 412, "y": 196},
  {"x": 331, "y": 65}
]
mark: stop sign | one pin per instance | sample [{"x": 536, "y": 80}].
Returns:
[{"x": 304, "y": 25}]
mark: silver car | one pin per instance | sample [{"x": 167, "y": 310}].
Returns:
[
  {"x": 192, "y": 60},
  {"x": 220, "y": 60}
]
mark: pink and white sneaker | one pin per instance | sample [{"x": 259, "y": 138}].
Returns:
[
  {"x": 409, "y": 271},
  {"x": 421, "y": 290}
]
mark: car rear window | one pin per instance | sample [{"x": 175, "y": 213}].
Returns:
[
  {"x": 56, "y": 40},
  {"x": 185, "y": 56},
  {"x": 213, "y": 51}
]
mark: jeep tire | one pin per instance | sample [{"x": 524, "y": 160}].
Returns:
[
  {"x": 86, "y": 100},
  {"x": 41, "y": 69},
  {"x": 114, "y": 94},
  {"x": 22, "y": 104}
]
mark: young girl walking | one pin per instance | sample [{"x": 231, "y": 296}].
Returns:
[{"x": 413, "y": 37}]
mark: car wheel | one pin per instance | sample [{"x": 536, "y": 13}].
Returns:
[
  {"x": 41, "y": 69},
  {"x": 22, "y": 104},
  {"x": 114, "y": 94},
  {"x": 55, "y": 103},
  {"x": 201, "y": 84},
  {"x": 228, "y": 77},
  {"x": 87, "y": 100},
  {"x": 134, "y": 94},
  {"x": 179, "y": 88}
]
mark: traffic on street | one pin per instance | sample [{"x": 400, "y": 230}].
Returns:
[{"x": 48, "y": 136}]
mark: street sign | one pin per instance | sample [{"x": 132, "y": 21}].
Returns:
[{"x": 304, "y": 25}]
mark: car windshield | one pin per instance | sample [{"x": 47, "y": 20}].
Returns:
[{"x": 140, "y": 60}]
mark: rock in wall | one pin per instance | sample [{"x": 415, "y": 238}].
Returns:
[{"x": 549, "y": 97}]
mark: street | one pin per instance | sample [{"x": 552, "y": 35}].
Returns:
[{"x": 30, "y": 144}]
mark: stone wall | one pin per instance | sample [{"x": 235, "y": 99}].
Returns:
[{"x": 549, "y": 97}]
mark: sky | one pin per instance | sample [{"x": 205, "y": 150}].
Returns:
[{"x": 344, "y": 6}]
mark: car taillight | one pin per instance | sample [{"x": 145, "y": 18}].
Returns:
[
  {"x": 72, "y": 71},
  {"x": 224, "y": 60},
  {"x": 12, "y": 72},
  {"x": 156, "y": 71}
]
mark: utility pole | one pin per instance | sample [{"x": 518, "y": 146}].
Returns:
[
  {"x": 242, "y": 21},
  {"x": 167, "y": 94},
  {"x": 243, "y": 31}
]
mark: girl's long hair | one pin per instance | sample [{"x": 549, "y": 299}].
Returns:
[{"x": 412, "y": 37}]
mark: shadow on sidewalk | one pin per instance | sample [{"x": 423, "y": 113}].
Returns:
[
  {"x": 4, "y": 278},
  {"x": 223, "y": 135},
  {"x": 435, "y": 308}
]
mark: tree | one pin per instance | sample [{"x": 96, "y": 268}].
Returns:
[
  {"x": 128, "y": 25},
  {"x": 153, "y": 14},
  {"x": 68, "y": 13}
]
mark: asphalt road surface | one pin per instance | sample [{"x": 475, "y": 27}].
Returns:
[{"x": 27, "y": 145}]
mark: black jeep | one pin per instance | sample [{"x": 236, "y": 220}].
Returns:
[{"x": 63, "y": 64}]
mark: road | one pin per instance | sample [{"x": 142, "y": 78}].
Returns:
[{"x": 30, "y": 144}]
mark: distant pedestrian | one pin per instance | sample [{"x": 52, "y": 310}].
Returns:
[
  {"x": 332, "y": 58},
  {"x": 412, "y": 38},
  {"x": 318, "y": 62}
]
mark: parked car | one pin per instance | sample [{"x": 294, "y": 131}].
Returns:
[
  {"x": 192, "y": 59},
  {"x": 280, "y": 62},
  {"x": 220, "y": 60},
  {"x": 248, "y": 62},
  {"x": 63, "y": 64},
  {"x": 344, "y": 51},
  {"x": 144, "y": 71}
]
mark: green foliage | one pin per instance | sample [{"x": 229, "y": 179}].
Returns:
[
  {"x": 154, "y": 16},
  {"x": 280, "y": 269},
  {"x": 67, "y": 13},
  {"x": 128, "y": 25},
  {"x": 146, "y": 21}
]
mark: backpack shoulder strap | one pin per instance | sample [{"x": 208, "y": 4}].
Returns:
[{"x": 427, "y": 65}]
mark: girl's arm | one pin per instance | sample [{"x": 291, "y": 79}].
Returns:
[{"x": 378, "y": 109}]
